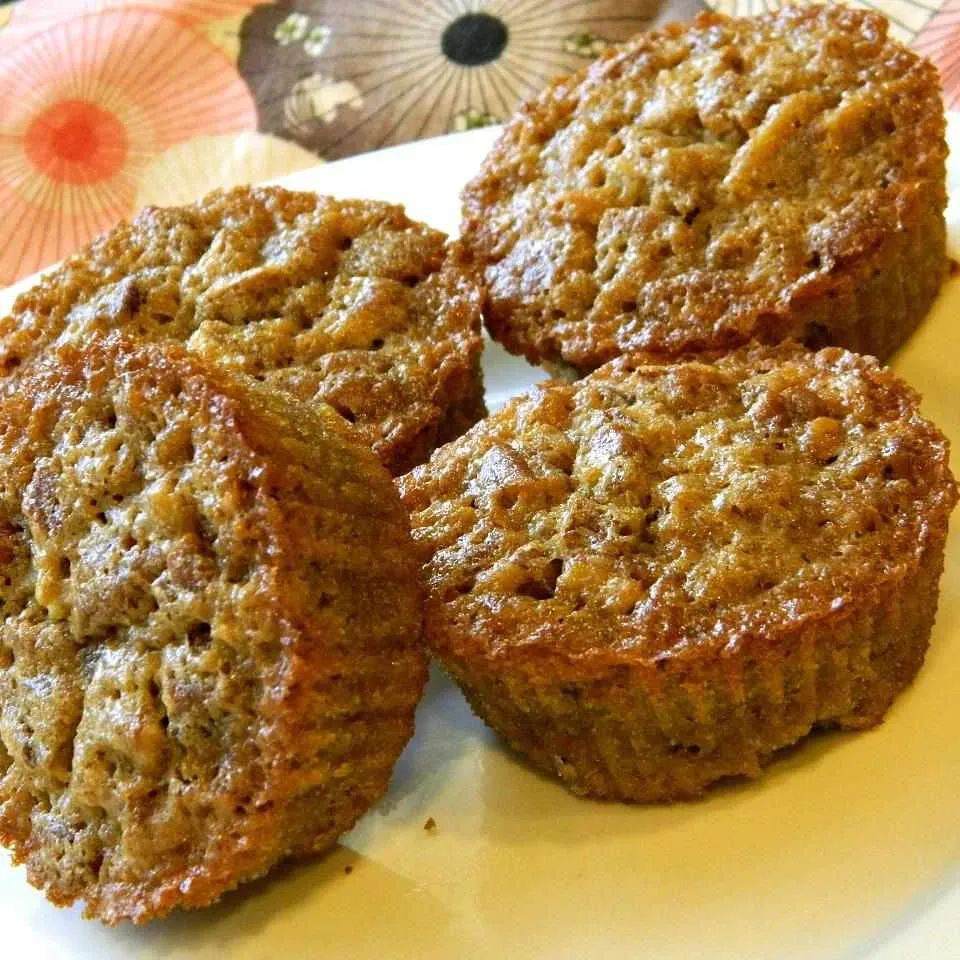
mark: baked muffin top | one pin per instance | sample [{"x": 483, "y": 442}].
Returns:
[
  {"x": 707, "y": 184},
  {"x": 208, "y": 591},
  {"x": 346, "y": 301},
  {"x": 662, "y": 510}
]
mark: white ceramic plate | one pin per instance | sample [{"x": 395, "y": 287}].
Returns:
[{"x": 848, "y": 847}]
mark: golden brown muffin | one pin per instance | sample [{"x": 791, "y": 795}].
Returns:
[
  {"x": 210, "y": 651},
  {"x": 658, "y": 576},
  {"x": 730, "y": 179},
  {"x": 346, "y": 301}
]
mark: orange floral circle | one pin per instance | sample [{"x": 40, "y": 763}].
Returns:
[
  {"x": 75, "y": 141},
  {"x": 88, "y": 103}
]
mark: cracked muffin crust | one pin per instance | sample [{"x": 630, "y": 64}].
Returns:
[
  {"x": 773, "y": 177},
  {"x": 661, "y": 574},
  {"x": 210, "y": 652},
  {"x": 346, "y": 301}
]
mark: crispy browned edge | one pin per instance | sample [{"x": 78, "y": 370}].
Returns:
[
  {"x": 652, "y": 732},
  {"x": 457, "y": 396}
]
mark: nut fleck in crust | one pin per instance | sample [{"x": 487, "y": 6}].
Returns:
[
  {"x": 731, "y": 179},
  {"x": 657, "y": 576},
  {"x": 210, "y": 652},
  {"x": 346, "y": 301}
]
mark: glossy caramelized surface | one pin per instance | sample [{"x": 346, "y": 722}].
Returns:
[
  {"x": 761, "y": 177},
  {"x": 350, "y": 302},
  {"x": 655, "y": 507}
]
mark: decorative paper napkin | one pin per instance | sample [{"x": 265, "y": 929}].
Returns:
[{"x": 109, "y": 105}]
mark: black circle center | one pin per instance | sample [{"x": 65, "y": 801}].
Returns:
[{"x": 473, "y": 39}]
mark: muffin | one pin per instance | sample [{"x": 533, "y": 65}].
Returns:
[
  {"x": 770, "y": 177},
  {"x": 346, "y": 301},
  {"x": 210, "y": 651},
  {"x": 659, "y": 575}
]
